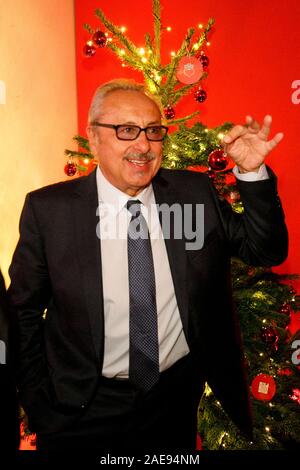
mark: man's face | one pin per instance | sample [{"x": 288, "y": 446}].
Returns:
[{"x": 128, "y": 165}]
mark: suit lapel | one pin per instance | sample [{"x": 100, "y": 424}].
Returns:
[
  {"x": 165, "y": 193},
  {"x": 87, "y": 246}
]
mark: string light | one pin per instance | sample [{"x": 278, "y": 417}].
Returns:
[
  {"x": 123, "y": 29},
  {"x": 261, "y": 354},
  {"x": 208, "y": 43},
  {"x": 142, "y": 51},
  {"x": 109, "y": 39},
  {"x": 122, "y": 51},
  {"x": 200, "y": 26},
  {"x": 267, "y": 428},
  {"x": 86, "y": 161},
  {"x": 168, "y": 28},
  {"x": 264, "y": 320},
  {"x": 173, "y": 53},
  {"x": 144, "y": 60},
  {"x": 90, "y": 43},
  {"x": 196, "y": 47},
  {"x": 221, "y": 135}
]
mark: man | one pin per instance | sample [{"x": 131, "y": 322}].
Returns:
[{"x": 133, "y": 329}]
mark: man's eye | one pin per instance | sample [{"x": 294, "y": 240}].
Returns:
[
  {"x": 154, "y": 130},
  {"x": 127, "y": 130}
]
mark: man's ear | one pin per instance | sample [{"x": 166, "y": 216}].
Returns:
[{"x": 93, "y": 139}]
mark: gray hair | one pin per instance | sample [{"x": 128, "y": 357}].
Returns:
[{"x": 115, "y": 85}]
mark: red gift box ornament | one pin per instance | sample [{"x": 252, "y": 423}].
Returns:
[{"x": 263, "y": 387}]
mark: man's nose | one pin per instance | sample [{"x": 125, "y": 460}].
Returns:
[{"x": 142, "y": 142}]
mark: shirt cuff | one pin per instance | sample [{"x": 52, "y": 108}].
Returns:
[{"x": 262, "y": 174}]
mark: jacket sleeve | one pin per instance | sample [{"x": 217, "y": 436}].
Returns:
[
  {"x": 29, "y": 294},
  {"x": 259, "y": 235}
]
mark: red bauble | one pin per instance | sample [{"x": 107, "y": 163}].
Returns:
[
  {"x": 169, "y": 112},
  {"x": 200, "y": 95},
  {"x": 269, "y": 335},
  {"x": 70, "y": 169},
  {"x": 99, "y": 39},
  {"x": 217, "y": 160},
  {"x": 89, "y": 49},
  {"x": 285, "y": 309},
  {"x": 263, "y": 387},
  {"x": 204, "y": 60}
]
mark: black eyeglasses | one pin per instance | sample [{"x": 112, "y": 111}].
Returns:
[{"x": 130, "y": 132}]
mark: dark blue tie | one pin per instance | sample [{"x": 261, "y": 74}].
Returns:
[{"x": 143, "y": 332}]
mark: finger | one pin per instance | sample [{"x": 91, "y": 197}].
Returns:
[
  {"x": 234, "y": 133},
  {"x": 275, "y": 141},
  {"x": 251, "y": 124},
  {"x": 266, "y": 127}
]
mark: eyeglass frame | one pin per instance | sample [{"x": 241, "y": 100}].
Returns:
[{"x": 117, "y": 126}]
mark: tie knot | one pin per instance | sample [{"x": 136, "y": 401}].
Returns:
[{"x": 134, "y": 207}]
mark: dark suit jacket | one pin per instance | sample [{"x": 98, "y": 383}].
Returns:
[
  {"x": 57, "y": 265},
  {"x": 9, "y": 412}
]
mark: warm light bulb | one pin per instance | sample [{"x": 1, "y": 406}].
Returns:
[
  {"x": 142, "y": 51},
  {"x": 86, "y": 161},
  {"x": 90, "y": 43},
  {"x": 261, "y": 354},
  {"x": 109, "y": 39},
  {"x": 144, "y": 60},
  {"x": 196, "y": 47},
  {"x": 123, "y": 65},
  {"x": 208, "y": 43},
  {"x": 122, "y": 51},
  {"x": 173, "y": 53},
  {"x": 264, "y": 320},
  {"x": 267, "y": 429},
  {"x": 221, "y": 135},
  {"x": 200, "y": 26},
  {"x": 168, "y": 28},
  {"x": 123, "y": 29}
]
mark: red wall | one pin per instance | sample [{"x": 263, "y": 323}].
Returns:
[{"x": 254, "y": 58}]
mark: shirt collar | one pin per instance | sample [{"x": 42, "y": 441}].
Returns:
[{"x": 109, "y": 194}]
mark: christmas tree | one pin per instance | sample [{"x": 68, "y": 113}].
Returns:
[{"x": 265, "y": 300}]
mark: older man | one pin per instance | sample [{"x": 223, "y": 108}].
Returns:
[{"x": 134, "y": 325}]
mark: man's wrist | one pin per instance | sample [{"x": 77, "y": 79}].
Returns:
[
  {"x": 242, "y": 171},
  {"x": 261, "y": 174}
]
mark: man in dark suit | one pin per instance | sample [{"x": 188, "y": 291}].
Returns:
[{"x": 133, "y": 329}]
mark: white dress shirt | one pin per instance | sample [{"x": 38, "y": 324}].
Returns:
[
  {"x": 114, "y": 218},
  {"x": 114, "y": 221}
]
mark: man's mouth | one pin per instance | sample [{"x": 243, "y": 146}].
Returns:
[{"x": 139, "y": 161}]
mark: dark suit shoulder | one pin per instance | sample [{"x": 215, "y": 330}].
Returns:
[
  {"x": 170, "y": 175},
  {"x": 63, "y": 188},
  {"x": 184, "y": 180}
]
